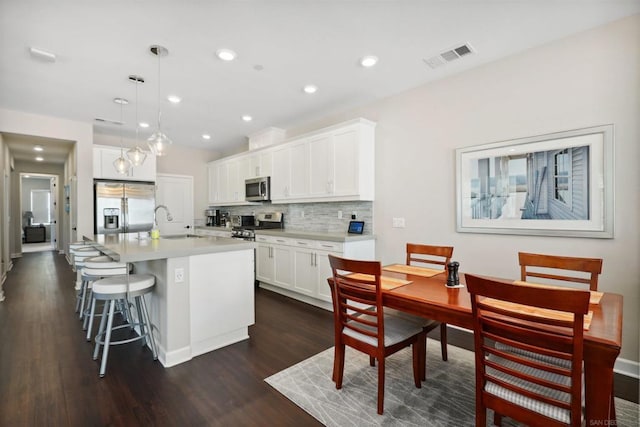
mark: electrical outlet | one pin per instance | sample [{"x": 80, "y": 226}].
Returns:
[
  {"x": 339, "y": 214},
  {"x": 354, "y": 215},
  {"x": 301, "y": 214},
  {"x": 179, "y": 275},
  {"x": 398, "y": 222}
]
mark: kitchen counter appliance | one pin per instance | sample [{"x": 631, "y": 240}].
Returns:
[
  {"x": 264, "y": 220},
  {"x": 242, "y": 220},
  {"x": 257, "y": 189},
  {"x": 123, "y": 207},
  {"x": 213, "y": 217}
]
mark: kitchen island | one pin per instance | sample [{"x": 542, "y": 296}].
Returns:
[{"x": 204, "y": 293}]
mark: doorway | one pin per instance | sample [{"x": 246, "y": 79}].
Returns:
[{"x": 39, "y": 212}]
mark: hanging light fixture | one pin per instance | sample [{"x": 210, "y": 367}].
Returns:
[
  {"x": 122, "y": 164},
  {"x": 136, "y": 155},
  {"x": 159, "y": 141}
]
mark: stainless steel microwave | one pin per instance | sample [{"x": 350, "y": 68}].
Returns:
[{"x": 257, "y": 189}]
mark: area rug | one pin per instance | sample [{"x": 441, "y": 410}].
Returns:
[{"x": 445, "y": 399}]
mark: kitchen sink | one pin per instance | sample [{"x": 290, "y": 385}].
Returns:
[{"x": 182, "y": 236}]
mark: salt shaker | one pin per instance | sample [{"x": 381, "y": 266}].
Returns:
[{"x": 453, "y": 279}]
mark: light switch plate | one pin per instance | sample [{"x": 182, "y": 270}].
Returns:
[{"x": 398, "y": 222}]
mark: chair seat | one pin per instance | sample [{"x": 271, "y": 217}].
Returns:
[
  {"x": 532, "y": 404},
  {"x": 395, "y": 331},
  {"x": 118, "y": 284}
]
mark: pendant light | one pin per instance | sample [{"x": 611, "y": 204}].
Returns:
[
  {"x": 159, "y": 141},
  {"x": 136, "y": 155},
  {"x": 122, "y": 164}
]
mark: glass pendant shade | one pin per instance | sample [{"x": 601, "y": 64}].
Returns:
[
  {"x": 122, "y": 164},
  {"x": 136, "y": 156},
  {"x": 158, "y": 143}
]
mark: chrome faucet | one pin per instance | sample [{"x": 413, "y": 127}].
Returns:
[{"x": 169, "y": 217}]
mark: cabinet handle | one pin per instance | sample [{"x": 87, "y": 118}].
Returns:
[
  {"x": 315, "y": 259},
  {"x": 311, "y": 259}
]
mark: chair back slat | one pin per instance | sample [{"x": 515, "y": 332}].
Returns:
[
  {"x": 585, "y": 270},
  {"x": 358, "y": 296},
  {"x": 502, "y": 375},
  {"x": 428, "y": 254}
]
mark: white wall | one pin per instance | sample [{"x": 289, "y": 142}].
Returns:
[{"x": 589, "y": 79}]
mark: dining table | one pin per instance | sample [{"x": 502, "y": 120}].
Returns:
[{"x": 429, "y": 297}]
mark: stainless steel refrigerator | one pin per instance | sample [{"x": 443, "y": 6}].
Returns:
[{"x": 123, "y": 207}]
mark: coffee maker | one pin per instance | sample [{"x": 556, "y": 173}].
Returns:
[{"x": 213, "y": 217}]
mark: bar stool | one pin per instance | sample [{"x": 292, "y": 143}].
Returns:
[
  {"x": 112, "y": 289},
  {"x": 79, "y": 256},
  {"x": 74, "y": 247},
  {"x": 96, "y": 268}
]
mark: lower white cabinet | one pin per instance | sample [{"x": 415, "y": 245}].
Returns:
[
  {"x": 274, "y": 263},
  {"x": 299, "y": 268}
]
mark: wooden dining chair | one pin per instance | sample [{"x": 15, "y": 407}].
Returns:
[
  {"x": 512, "y": 384},
  {"x": 432, "y": 256},
  {"x": 547, "y": 266},
  {"x": 360, "y": 322},
  {"x": 575, "y": 272}
]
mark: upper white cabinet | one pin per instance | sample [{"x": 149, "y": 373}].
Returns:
[
  {"x": 332, "y": 164},
  {"x": 103, "y": 168}
]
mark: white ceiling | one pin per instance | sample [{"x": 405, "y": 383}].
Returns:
[{"x": 98, "y": 44}]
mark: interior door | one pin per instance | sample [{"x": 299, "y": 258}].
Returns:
[
  {"x": 54, "y": 212},
  {"x": 176, "y": 193}
]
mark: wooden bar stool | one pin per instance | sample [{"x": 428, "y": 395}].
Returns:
[{"x": 112, "y": 289}]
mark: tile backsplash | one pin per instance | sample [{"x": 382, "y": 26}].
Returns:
[{"x": 314, "y": 217}]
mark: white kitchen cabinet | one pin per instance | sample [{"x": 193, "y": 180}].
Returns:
[
  {"x": 103, "y": 168},
  {"x": 305, "y": 265},
  {"x": 305, "y": 272},
  {"x": 274, "y": 261},
  {"x": 333, "y": 164},
  {"x": 281, "y": 176},
  {"x": 265, "y": 262},
  {"x": 320, "y": 165},
  {"x": 261, "y": 164},
  {"x": 299, "y": 167}
]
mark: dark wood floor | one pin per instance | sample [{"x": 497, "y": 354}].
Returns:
[{"x": 48, "y": 377}]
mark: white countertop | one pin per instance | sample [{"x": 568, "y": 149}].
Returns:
[
  {"x": 129, "y": 248},
  {"x": 315, "y": 235}
]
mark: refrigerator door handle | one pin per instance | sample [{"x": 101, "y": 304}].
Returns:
[{"x": 125, "y": 215}]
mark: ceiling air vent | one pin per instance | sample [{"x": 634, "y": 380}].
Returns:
[{"x": 449, "y": 55}]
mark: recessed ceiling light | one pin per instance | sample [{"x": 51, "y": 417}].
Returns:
[
  {"x": 247, "y": 118},
  {"x": 143, "y": 124},
  {"x": 39, "y": 159},
  {"x": 174, "y": 99},
  {"x": 121, "y": 101},
  {"x": 206, "y": 136},
  {"x": 38, "y": 148},
  {"x": 369, "y": 61},
  {"x": 226, "y": 54},
  {"x": 310, "y": 89},
  {"x": 27, "y": 176}
]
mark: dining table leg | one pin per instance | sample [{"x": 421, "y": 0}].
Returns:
[{"x": 598, "y": 378}]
